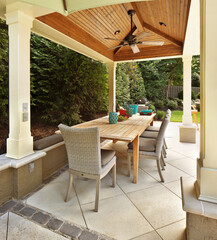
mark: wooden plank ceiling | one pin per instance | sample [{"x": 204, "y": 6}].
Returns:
[{"x": 91, "y": 27}]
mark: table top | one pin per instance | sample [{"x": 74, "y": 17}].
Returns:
[{"x": 127, "y": 130}]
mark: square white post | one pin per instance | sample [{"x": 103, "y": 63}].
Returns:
[
  {"x": 207, "y": 164},
  {"x": 187, "y": 130},
  {"x": 112, "y": 86},
  {"x": 20, "y": 141}
]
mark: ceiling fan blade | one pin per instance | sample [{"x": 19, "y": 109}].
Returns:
[
  {"x": 142, "y": 35},
  {"x": 117, "y": 46},
  {"x": 151, "y": 43},
  {"x": 115, "y": 39},
  {"x": 134, "y": 48}
]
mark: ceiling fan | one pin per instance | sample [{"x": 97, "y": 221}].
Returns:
[{"x": 134, "y": 40}]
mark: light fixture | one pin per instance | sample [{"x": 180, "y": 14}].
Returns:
[
  {"x": 162, "y": 24},
  {"x": 117, "y": 32}
]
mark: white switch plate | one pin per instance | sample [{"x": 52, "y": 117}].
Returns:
[
  {"x": 25, "y": 107},
  {"x": 25, "y": 116}
]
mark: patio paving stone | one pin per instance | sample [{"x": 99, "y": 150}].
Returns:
[
  {"x": 86, "y": 189},
  {"x": 40, "y": 218},
  {"x": 54, "y": 223},
  {"x": 187, "y": 165},
  {"x": 159, "y": 205},
  {"x": 149, "y": 236},
  {"x": 27, "y": 211},
  {"x": 7, "y": 206},
  {"x": 20, "y": 228},
  {"x": 18, "y": 207},
  {"x": 175, "y": 231},
  {"x": 53, "y": 196},
  {"x": 175, "y": 186},
  {"x": 87, "y": 236},
  {"x": 70, "y": 230},
  {"x": 145, "y": 181},
  {"x": 3, "y": 226},
  {"x": 117, "y": 217},
  {"x": 170, "y": 174}
]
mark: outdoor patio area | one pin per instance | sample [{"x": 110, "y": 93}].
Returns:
[{"x": 148, "y": 210}]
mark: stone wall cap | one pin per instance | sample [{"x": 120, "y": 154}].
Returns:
[
  {"x": 191, "y": 204},
  {"x": 6, "y": 162}
]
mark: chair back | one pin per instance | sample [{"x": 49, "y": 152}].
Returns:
[
  {"x": 83, "y": 148},
  {"x": 161, "y": 134},
  {"x": 168, "y": 114}
]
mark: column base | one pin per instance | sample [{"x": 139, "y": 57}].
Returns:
[
  {"x": 201, "y": 216},
  {"x": 19, "y": 148},
  {"x": 187, "y": 133}
]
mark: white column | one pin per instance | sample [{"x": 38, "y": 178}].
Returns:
[
  {"x": 20, "y": 141},
  {"x": 186, "y": 118},
  {"x": 112, "y": 86},
  {"x": 207, "y": 164}
]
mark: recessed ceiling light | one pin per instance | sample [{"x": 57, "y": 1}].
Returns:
[
  {"x": 117, "y": 32},
  {"x": 162, "y": 24}
]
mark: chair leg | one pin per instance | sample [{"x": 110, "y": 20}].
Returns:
[
  {"x": 129, "y": 164},
  {"x": 159, "y": 170},
  {"x": 165, "y": 144},
  {"x": 69, "y": 187},
  {"x": 98, "y": 181},
  {"x": 163, "y": 159},
  {"x": 164, "y": 151},
  {"x": 114, "y": 175},
  {"x": 162, "y": 163}
]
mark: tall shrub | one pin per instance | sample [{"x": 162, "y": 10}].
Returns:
[
  {"x": 66, "y": 86},
  {"x": 3, "y": 73}
]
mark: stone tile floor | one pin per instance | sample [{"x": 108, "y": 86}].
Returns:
[{"x": 149, "y": 210}]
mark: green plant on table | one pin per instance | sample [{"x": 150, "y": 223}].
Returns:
[{"x": 151, "y": 107}]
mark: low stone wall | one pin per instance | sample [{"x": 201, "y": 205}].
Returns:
[{"x": 20, "y": 177}]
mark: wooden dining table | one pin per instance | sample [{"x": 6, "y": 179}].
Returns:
[{"x": 128, "y": 131}]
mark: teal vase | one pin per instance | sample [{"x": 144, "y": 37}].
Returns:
[
  {"x": 130, "y": 111},
  {"x": 113, "y": 117}
]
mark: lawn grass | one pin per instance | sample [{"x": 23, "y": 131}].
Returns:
[{"x": 177, "y": 116}]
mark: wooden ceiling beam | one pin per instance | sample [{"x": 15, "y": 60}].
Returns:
[
  {"x": 162, "y": 34},
  {"x": 140, "y": 24},
  {"x": 137, "y": 19}
]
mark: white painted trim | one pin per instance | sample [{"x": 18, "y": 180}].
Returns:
[{"x": 58, "y": 37}]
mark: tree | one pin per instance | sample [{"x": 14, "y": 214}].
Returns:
[
  {"x": 137, "y": 87},
  {"x": 172, "y": 69},
  {"x": 122, "y": 85},
  {"x": 154, "y": 81}
]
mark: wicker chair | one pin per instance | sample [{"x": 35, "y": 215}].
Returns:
[
  {"x": 153, "y": 131},
  {"x": 85, "y": 157},
  {"x": 151, "y": 148},
  {"x": 157, "y": 128}
]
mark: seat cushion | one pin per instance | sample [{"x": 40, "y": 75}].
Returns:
[
  {"x": 106, "y": 156},
  {"x": 153, "y": 128},
  {"x": 47, "y": 141},
  {"x": 149, "y": 134},
  {"x": 145, "y": 144}
]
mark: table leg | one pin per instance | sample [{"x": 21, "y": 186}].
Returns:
[
  {"x": 114, "y": 141},
  {"x": 152, "y": 123},
  {"x": 135, "y": 159}
]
